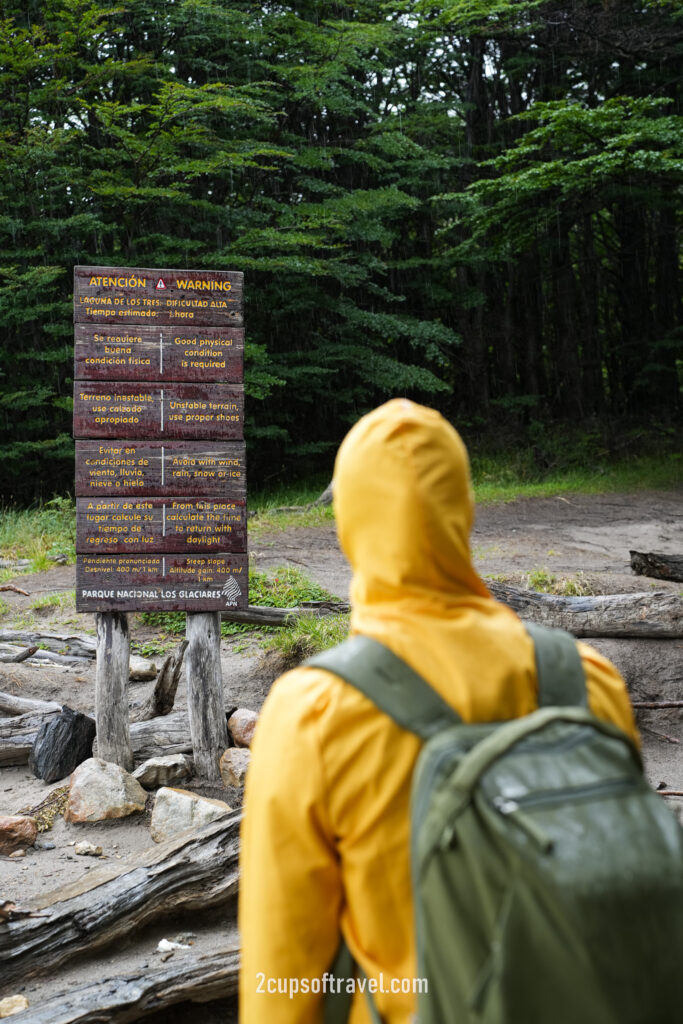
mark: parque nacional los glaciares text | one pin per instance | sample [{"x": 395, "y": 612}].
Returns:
[{"x": 159, "y": 428}]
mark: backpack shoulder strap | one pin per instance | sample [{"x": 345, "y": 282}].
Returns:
[
  {"x": 561, "y": 679},
  {"x": 389, "y": 683},
  {"x": 406, "y": 697}
]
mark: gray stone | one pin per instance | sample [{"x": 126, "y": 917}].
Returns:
[
  {"x": 233, "y": 766},
  {"x": 241, "y": 725},
  {"x": 62, "y": 743},
  {"x": 141, "y": 669},
  {"x": 162, "y": 771},
  {"x": 178, "y": 810},
  {"x": 86, "y": 849},
  {"x": 101, "y": 790}
]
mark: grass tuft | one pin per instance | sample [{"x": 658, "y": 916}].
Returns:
[
  {"x": 37, "y": 533},
  {"x": 307, "y": 636},
  {"x": 566, "y": 586},
  {"x": 505, "y": 477}
]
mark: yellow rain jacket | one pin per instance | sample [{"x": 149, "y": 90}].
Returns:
[{"x": 325, "y": 839}]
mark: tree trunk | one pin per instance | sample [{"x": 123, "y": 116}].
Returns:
[
  {"x": 208, "y": 726},
  {"x": 162, "y": 698},
  {"x": 111, "y": 689},
  {"x": 198, "y": 870}
]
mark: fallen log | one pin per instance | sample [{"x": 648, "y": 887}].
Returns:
[
  {"x": 23, "y": 655},
  {"x": 76, "y": 646},
  {"x": 13, "y": 705},
  {"x": 657, "y": 705},
  {"x": 15, "y": 589},
  {"x": 657, "y": 566},
  {"x": 156, "y": 736},
  {"x": 260, "y": 615},
  {"x": 197, "y": 870},
  {"x": 161, "y": 700},
  {"x": 126, "y": 998},
  {"x": 611, "y": 615},
  {"x": 18, "y": 734},
  {"x": 10, "y": 653}
]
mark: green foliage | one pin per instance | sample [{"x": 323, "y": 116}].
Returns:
[
  {"x": 476, "y": 204},
  {"x": 307, "y": 636},
  {"x": 285, "y": 587},
  {"x": 156, "y": 648},
  {"x": 541, "y": 580},
  {"x": 58, "y": 600},
  {"x": 38, "y": 533},
  {"x": 567, "y": 586},
  {"x": 505, "y": 478}
]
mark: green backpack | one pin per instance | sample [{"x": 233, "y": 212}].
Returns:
[{"x": 547, "y": 874}]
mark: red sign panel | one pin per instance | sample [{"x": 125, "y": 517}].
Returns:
[
  {"x": 186, "y": 468},
  {"x": 156, "y": 524},
  {"x": 158, "y": 353},
  {"x": 161, "y": 582},
  {"x": 121, "y": 409},
  {"x": 180, "y": 298}
]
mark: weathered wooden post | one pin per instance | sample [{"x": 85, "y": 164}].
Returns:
[
  {"x": 111, "y": 689},
  {"x": 206, "y": 707},
  {"x": 160, "y": 477}
]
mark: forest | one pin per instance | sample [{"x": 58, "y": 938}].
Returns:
[{"x": 474, "y": 203}]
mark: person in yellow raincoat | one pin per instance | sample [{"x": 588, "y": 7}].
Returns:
[{"x": 325, "y": 837}]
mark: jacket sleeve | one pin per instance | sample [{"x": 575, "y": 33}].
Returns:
[
  {"x": 607, "y": 694},
  {"x": 290, "y": 887}
]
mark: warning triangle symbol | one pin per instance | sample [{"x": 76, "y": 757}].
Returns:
[{"x": 160, "y": 283}]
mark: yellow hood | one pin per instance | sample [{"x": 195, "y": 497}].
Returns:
[{"x": 404, "y": 508}]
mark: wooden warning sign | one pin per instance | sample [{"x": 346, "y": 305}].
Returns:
[
  {"x": 153, "y": 582},
  {"x": 156, "y": 524},
  {"x": 121, "y": 409},
  {"x": 119, "y": 295},
  {"x": 159, "y": 423},
  {"x": 186, "y": 468},
  {"x": 131, "y": 353}
]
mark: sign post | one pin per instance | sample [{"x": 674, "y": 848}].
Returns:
[{"x": 160, "y": 476}]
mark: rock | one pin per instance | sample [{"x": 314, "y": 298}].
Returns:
[
  {"x": 86, "y": 849},
  {"x": 12, "y": 1005},
  {"x": 101, "y": 790},
  {"x": 16, "y": 854},
  {"x": 167, "y": 945},
  {"x": 16, "y": 833},
  {"x": 44, "y": 844},
  {"x": 141, "y": 669},
  {"x": 177, "y": 810},
  {"x": 241, "y": 725},
  {"x": 162, "y": 771},
  {"x": 62, "y": 743},
  {"x": 233, "y": 766}
]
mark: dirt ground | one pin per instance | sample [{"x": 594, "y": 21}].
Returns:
[{"x": 582, "y": 538}]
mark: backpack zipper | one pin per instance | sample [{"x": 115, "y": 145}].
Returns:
[{"x": 514, "y": 808}]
